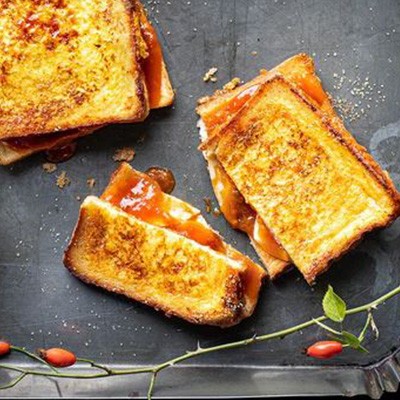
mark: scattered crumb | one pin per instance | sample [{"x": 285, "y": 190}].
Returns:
[
  {"x": 254, "y": 53},
  {"x": 49, "y": 167},
  {"x": 91, "y": 182},
  {"x": 347, "y": 109},
  {"x": 63, "y": 180},
  {"x": 207, "y": 202},
  {"x": 235, "y": 82},
  {"x": 125, "y": 154},
  {"x": 216, "y": 212},
  {"x": 210, "y": 75},
  {"x": 365, "y": 94},
  {"x": 78, "y": 198}
]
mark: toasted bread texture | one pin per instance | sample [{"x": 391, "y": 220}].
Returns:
[
  {"x": 299, "y": 70},
  {"x": 314, "y": 186},
  {"x": 68, "y": 65},
  {"x": 155, "y": 266}
]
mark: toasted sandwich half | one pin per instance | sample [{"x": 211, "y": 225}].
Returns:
[
  {"x": 311, "y": 191},
  {"x": 154, "y": 248},
  {"x": 102, "y": 64},
  {"x": 215, "y": 113}
]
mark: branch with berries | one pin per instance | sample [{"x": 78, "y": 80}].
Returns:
[{"x": 335, "y": 312}]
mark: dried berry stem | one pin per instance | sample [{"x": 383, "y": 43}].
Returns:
[
  {"x": 155, "y": 369},
  {"x": 33, "y": 356}
]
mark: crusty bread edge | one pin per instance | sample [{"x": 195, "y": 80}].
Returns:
[
  {"x": 358, "y": 152},
  {"x": 235, "y": 317}
]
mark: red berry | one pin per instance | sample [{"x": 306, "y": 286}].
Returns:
[
  {"x": 58, "y": 358},
  {"x": 325, "y": 349},
  {"x": 5, "y": 348}
]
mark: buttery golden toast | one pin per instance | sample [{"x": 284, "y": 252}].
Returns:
[
  {"x": 217, "y": 110},
  {"x": 215, "y": 113},
  {"x": 119, "y": 82},
  {"x": 161, "y": 253},
  {"x": 67, "y": 66},
  {"x": 312, "y": 185}
]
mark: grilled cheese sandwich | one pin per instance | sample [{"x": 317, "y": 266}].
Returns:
[
  {"x": 83, "y": 78},
  {"x": 154, "y": 248},
  {"x": 294, "y": 106}
]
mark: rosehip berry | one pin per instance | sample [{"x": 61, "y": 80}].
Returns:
[
  {"x": 5, "y": 348},
  {"x": 325, "y": 349},
  {"x": 58, "y": 358}
]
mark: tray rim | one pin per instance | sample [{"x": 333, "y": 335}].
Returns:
[{"x": 372, "y": 380}]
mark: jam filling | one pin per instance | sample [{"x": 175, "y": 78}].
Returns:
[
  {"x": 152, "y": 65},
  {"x": 141, "y": 196},
  {"x": 230, "y": 108}
]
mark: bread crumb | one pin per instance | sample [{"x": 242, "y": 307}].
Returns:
[
  {"x": 125, "y": 154},
  {"x": 216, "y": 212},
  {"x": 91, "y": 182},
  {"x": 235, "y": 82},
  {"x": 207, "y": 202},
  {"x": 49, "y": 167},
  {"x": 78, "y": 198},
  {"x": 254, "y": 53},
  {"x": 210, "y": 75},
  {"x": 63, "y": 180}
]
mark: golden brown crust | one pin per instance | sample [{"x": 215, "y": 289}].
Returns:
[
  {"x": 88, "y": 84},
  {"x": 153, "y": 265},
  {"x": 299, "y": 70},
  {"x": 285, "y": 119}
]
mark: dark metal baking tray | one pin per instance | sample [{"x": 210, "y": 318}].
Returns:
[{"x": 356, "y": 45}]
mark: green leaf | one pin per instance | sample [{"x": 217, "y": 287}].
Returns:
[
  {"x": 334, "y": 306},
  {"x": 351, "y": 339},
  {"x": 348, "y": 339},
  {"x": 362, "y": 349}
]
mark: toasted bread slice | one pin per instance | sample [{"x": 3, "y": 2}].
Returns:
[
  {"x": 159, "y": 266},
  {"x": 69, "y": 66},
  {"x": 148, "y": 54},
  {"x": 313, "y": 185},
  {"x": 17, "y": 149}
]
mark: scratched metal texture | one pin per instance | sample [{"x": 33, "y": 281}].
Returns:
[{"x": 42, "y": 305}]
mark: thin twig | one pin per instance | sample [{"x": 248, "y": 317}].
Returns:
[
  {"x": 33, "y": 356},
  {"x": 361, "y": 336},
  {"x": 14, "y": 381},
  {"x": 151, "y": 385},
  {"x": 327, "y": 328},
  {"x": 95, "y": 365}
]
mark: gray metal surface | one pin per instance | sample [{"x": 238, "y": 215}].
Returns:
[{"x": 356, "y": 45}]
